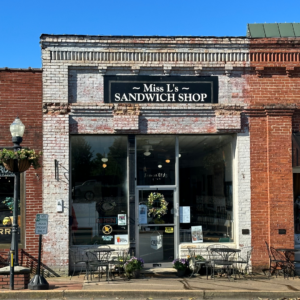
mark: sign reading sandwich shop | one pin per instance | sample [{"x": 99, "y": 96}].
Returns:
[{"x": 160, "y": 89}]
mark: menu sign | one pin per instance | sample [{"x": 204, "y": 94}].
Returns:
[{"x": 160, "y": 89}]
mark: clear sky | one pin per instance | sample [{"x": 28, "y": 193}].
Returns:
[{"x": 23, "y": 21}]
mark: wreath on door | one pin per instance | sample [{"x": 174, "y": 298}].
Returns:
[{"x": 157, "y": 206}]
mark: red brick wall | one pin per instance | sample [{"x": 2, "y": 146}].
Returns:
[
  {"x": 274, "y": 92},
  {"x": 21, "y": 95}
]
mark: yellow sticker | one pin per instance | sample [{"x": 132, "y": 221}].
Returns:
[{"x": 169, "y": 230}]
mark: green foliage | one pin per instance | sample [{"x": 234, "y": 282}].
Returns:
[
  {"x": 157, "y": 205},
  {"x": 199, "y": 257},
  {"x": 133, "y": 264},
  {"x": 30, "y": 154},
  {"x": 180, "y": 264},
  {"x": 9, "y": 202}
]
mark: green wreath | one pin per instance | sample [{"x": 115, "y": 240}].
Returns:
[{"x": 161, "y": 209}]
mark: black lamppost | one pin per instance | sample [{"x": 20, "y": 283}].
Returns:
[{"x": 17, "y": 129}]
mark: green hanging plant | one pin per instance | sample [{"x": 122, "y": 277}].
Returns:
[{"x": 22, "y": 154}]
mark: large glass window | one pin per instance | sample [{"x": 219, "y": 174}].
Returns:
[
  {"x": 99, "y": 190},
  {"x": 155, "y": 160},
  {"x": 6, "y": 207},
  {"x": 205, "y": 187}
]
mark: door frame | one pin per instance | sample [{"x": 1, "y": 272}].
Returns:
[{"x": 176, "y": 215}]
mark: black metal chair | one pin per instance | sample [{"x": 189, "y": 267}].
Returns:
[
  {"x": 215, "y": 260},
  {"x": 277, "y": 262},
  {"x": 98, "y": 264},
  {"x": 122, "y": 257},
  {"x": 78, "y": 257},
  {"x": 244, "y": 259}
]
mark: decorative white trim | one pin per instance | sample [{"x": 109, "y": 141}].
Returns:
[{"x": 127, "y": 56}]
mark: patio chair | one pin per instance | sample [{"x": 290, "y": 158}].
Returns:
[
  {"x": 122, "y": 257},
  {"x": 277, "y": 262},
  {"x": 244, "y": 259},
  {"x": 214, "y": 259},
  {"x": 98, "y": 264},
  {"x": 78, "y": 257}
]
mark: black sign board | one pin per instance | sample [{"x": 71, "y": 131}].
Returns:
[{"x": 160, "y": 89}]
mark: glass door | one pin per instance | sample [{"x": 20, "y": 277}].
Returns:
[{"x": 156, "y": 226}]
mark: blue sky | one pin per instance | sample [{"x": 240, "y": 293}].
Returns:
[{"x": 23, "y": 21}]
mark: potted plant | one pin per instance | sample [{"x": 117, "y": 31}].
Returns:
[
  {"x": 25, "y": 157},
  {"x": 157, "y": 207},
  {"x": 133, "y": 267},
  {"x": 180, "y": 265}
]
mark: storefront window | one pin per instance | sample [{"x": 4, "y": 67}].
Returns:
[
  {"x": 6, "y": 207},
  {"x": 99, "y": 190},
  {"x": 205, "y": 187},
  {"x": 155, "y": 160}
]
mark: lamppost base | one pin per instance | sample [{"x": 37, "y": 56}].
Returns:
[{"x": 38, "y": 282}]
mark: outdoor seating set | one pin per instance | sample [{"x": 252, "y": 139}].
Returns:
[
  {"x": 222, "y": 260},
  {"x": 99, "y": 260},
  {"x": 281, "y": 260}
]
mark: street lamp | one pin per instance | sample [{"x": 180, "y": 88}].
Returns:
[{"x": 17, "y": 129}]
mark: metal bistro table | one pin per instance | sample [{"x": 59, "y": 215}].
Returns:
[
  {"x": 222, "y": 259},
  {"x": 289, "y": 254},
  {"x": 99, "y": 257}
]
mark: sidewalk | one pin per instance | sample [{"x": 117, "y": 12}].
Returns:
[{"x": 163, "y": 286}]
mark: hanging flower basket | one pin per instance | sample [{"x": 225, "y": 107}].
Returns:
[
  {"x": 25, "y": 157},
  {"x": 23, "y": 165}
]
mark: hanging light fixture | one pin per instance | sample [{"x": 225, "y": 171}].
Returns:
[
  {"x": 104, "y": 166},
  {"x": 147, "y": 149},
  {"x": 104, "y": 158},
  {"x": 160, "y": 166},
  {"x": 167, "y": 161}
]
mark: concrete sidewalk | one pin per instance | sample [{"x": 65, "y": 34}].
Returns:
[{"x": 164, "y": 286}]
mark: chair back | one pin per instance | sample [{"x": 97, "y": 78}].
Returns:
[
  {"x": 269, "y": 252},
  {"x": 92, "y": 257},
  {"x": 278, "y": 256},
  {"x": 77, "y": 255},
  {"x": 212, "y": 255}
]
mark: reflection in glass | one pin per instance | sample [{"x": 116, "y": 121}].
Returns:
[
  {"x": 155, "y": 160},
  {"x": 156, "y": 244},
  {"x": 99, "y": 190},
  {"x": 205, "y": 185}
]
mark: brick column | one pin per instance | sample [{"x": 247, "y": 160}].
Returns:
[
  {"x": 271, "y": 181},
  {"x": 280, "y": 177}
]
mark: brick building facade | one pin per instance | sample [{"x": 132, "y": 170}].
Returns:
[
  {"x": 21, "y": 95},
  {"x": 241, "y": 196}
]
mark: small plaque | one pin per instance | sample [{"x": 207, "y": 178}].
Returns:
[
  {"x": 282, "y": 231},
  {"x": 245, "y": 231}
]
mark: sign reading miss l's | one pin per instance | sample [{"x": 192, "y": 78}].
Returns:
[{"x": 160, "y": 89}]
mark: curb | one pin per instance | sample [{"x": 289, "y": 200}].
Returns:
[{"x": 99, "y": 294}]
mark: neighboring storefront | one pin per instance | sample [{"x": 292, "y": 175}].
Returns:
[{"x": 21, "y": 95}]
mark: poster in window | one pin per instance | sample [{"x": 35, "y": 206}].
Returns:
[
  {"x": 197, "y": 234},
  {"x": 121, "y": 219},
  {"x": 142, "y": 214},
  {"x": 184, "y": 214},
  {"x": 121, "y": 239}
]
